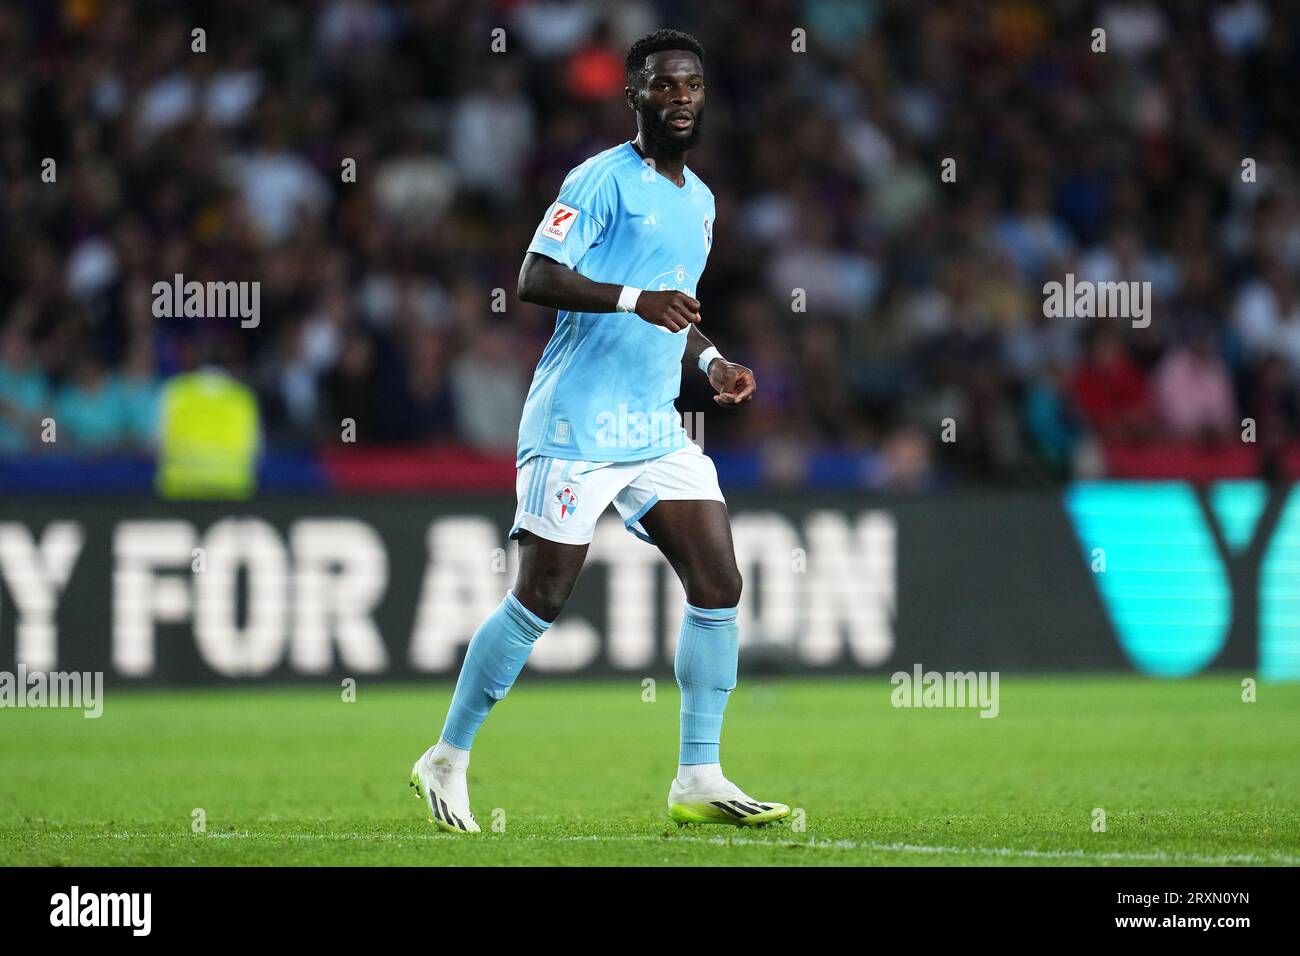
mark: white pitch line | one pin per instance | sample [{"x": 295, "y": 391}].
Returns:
[
  {"x": 814, "y": 844},
  {"x": 1157, "y": 856}
]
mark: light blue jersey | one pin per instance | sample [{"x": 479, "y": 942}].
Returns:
[{"x": 605, "y": 386}]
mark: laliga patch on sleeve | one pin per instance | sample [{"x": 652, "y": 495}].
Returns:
[{"x": 558, "y": 221}]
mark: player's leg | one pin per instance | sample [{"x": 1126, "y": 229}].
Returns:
[
  {"x": 558, "y": 504},
  {"x": 496, "y": 654},
  {"x": 695, "y": 537},
  {"x": 500, "y": 647}
]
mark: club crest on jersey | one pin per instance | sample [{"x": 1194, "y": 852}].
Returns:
[
  {"x": 708, "y": 233},
  {"x": 559, "y": 221},
  {"x": 568, "y": 501}
]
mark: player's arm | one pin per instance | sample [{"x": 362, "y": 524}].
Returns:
[
  {"x": 545, "y": 282},
  {"x": 734, "y": 383}
]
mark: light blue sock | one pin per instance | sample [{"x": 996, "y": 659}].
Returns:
[
  {"x": 705, "y": 666},
  {"x": 496, "y": 655}
]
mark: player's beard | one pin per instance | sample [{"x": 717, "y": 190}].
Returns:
[{"x": 660, "y": 135}]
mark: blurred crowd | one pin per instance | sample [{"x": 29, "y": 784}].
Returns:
[{"x": 874, "y": 297}]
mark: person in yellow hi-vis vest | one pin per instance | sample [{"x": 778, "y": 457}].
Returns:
[{"x": 209, "y": 433}]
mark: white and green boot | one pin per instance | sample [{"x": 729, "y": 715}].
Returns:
[
  {"x": 443, "y": 790},
  {"x": 722, "y": 802}
]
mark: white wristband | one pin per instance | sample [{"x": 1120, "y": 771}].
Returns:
[
  {"x": 627, "y": 299},
  {"x": 707, "y": 356}
]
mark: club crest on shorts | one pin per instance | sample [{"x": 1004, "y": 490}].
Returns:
[{"x": 567, "y": 500}]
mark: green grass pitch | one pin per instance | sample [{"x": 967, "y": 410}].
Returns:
[{"x": 577, "y": 773}]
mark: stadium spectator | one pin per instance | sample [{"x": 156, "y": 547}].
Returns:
[
  {"x": 88, "y": 408},
  {"x": 1193, "y": 391},
  {"x": 488, "y": 386},
  {"x": 1110, "y": 388},
  {"x": 24, "y": 391},
  {"x": 1272, "y": 403}
]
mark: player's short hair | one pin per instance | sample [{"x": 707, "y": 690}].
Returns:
[{"x": 657, "y": 42}]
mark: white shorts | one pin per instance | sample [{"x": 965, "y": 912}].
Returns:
[{"x": 561, "y": 500}]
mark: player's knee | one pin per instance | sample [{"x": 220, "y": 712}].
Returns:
[
  {"x": 544, "y": 598},
  {"x": 719, "y": 588}
]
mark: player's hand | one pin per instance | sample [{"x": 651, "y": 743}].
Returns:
[
  {"x": 671, "y": 310},
  {"x": 734, "y": 383}
]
